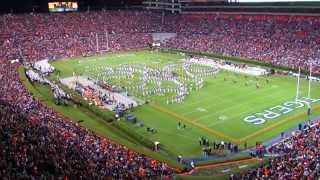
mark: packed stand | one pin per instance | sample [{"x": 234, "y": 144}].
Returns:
[
  {"x": 34, "y": 37},
  {"x": 295, "y": 158},
  {"x": 290, "y": 41},
  {"x": 38, "y": 143}
]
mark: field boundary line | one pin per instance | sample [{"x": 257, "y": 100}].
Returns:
[
  {"x": 189, "y": 121},
  {"x": 275, "y": 125},
  {"x": 227, "y": 94},
  {"x": 217, "y": 165},
  {"x": 232, "y": 107}
]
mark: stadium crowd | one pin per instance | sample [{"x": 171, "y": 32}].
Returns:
[
  {"x": 289, "y": 41},
  {"x": 297, "y": 157},
  {"x": 36, "y": 142},
  {"x": 34, "y": 37}
]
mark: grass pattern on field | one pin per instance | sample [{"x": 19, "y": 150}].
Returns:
[
  {"x": 185, "y": 120},
  {"x": 219, "y": 107}
]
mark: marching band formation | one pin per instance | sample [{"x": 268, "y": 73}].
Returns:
[{"x": 175, "y": 80}]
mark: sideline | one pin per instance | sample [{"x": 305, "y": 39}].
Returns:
[
  {"x": 43, "y": 101},
  {"x": 276, "y": 125},
  {"x": 225, "y": 163},
  {"x": 186, "y": 120},
  {"x": 221, "y": 135}
]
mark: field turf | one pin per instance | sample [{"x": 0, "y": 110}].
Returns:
[{"x": 216, "y": 111}]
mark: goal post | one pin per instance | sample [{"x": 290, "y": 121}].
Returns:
[
  {"x": 102, "y": 41},
  {"x": 310, "y": 75},
  {"x": 298, "y": 85}
]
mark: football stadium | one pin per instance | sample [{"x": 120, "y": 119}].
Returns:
[{"x": 160, "y": 89}]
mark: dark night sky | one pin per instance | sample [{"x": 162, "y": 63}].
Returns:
[
  {"x": 21, "y": 6},
  {"x": 42, "y": 5}
]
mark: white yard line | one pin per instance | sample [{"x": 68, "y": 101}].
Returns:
[
  {"x": 234, "y": 106},
  {"x": 225, "y": 101},
  {"x": 218, "y": 122},
  {"x": 219, "y": 98}
]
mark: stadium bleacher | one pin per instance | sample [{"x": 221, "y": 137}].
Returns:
[{"x": 38, "y": 143}]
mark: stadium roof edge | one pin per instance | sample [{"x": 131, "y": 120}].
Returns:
[
  {"x": 252, "y": 7},
  {"x": 251, "y": 13}
]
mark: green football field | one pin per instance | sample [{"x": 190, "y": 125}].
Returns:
[{"x": 217, "y": 111}]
